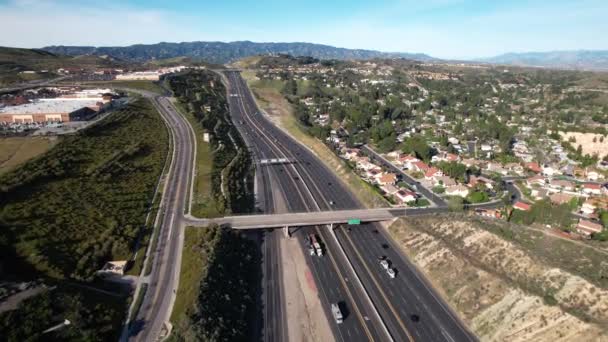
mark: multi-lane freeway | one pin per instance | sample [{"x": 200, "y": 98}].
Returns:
[
  {"x": 404, "y": 308},
  {"x": 376, "y": 307}
]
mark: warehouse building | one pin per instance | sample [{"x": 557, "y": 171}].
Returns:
[{"x": 53, "y": 110}]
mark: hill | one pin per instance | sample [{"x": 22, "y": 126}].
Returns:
[
  {"x": 577, "y": 59},
  {"x": 22, "y": 65},
  {"x": 221, "y": 52}
]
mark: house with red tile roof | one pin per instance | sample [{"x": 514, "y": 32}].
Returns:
[
  {"x": 587, "y": 228},
  {"x": 521, "y": 206},
  {"x": 387, "y": 178},
  {"x": 592, "y": 188},
  {"x": 420, "y": 166},
  {"x": 432, "y": 173},
  {"x": 534, "y": 167}
]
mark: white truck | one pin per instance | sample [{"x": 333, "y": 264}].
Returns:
[
  {"x": 314, "y": 245},
  {"x": 335, "y": 311}
]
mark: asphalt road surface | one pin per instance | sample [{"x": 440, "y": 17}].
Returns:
[
  {"x": 329, "y": 272},
  {"x": 162, "y": 282},
  {"x": 409, "y": 307}
]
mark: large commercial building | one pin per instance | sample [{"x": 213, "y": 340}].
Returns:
[{"x": 53, "y": 110}]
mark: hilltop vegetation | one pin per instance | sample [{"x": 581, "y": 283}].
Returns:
[
  {"x": 202, "y": 94},
  {"x": 220, "y": 52},
  {"x": 225, "y": 301},
  {"x": 14, "y": 61}
]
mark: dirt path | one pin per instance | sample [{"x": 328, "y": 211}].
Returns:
[{"x": 307, "y": 320}]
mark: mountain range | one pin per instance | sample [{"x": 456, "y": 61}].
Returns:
[
  {"x": 574, "y": 59},
  {"x": 220, "y": 52}
]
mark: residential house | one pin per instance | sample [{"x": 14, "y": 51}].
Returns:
[
  {"x": 387, "y": 178},
  {"x": 495, "y": 167},
  {"x": 373, "y": 174},
  {"x": 475, "y": 180},
  {"x": 389, "y": 189},
  {"x": 457, "y": 190},
  {"x": 535, "y": 180},
  {"x": 593, "y": 175},
  {"x": 539, "y": 194},
  {"x": 444, "y": 181},
  {"x": 592, "y": 188},
  {"x": 492, "y": 213},
  {"x": 560, "y": 184},
  {"x": 560, "y": 198},
  {"x": 405, "y": 196},
  {"x": 420, "y": 166},
  {"x": 594, "y": 203},
  {"x": 534, "y": 167},
  {"x": 521, "y": 206},
  {"x": 363, "y": 163},
  {"x": 433, "y": 172},
  {"x": 406, "y": 161},
  {"x": 549, "y": 171},
  {"x": 468, "y": 162},
  {"x": 515, "y": 168},
  {"x": 587, "y": 228},
  {"x": 350, "y": 153}
]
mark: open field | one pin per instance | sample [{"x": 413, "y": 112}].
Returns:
[
  {"x": 270, "y": 99},
  {"x": 588, "y": 145},
  {"x": 14, "y": 151},
  {"x": 512, "y": 283}
]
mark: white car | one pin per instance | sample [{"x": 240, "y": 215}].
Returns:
[
  {"x": 391, "y": 272},
  {"x": 384, "y": 264}
]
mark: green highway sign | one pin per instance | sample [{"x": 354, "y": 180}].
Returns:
[{"x": 354, "y": 221}]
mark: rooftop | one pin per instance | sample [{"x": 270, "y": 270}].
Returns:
[{"x": 43, "y": 106}]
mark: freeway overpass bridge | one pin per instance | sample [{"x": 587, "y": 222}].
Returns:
[{"x": 311, "y": 218}]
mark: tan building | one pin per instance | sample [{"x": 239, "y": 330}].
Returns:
[{"x": 52, "y": 110}]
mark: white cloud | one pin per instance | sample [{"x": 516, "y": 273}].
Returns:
[{"x": 36, "y": 23}]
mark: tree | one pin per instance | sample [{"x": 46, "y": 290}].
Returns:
[
  {"x": 418, "y": 146},
  {"x": 456, "y": 204},
  {"x": 291, "y": 87}
]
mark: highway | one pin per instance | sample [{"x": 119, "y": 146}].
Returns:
[
  {"x": 408, "y": 306},
  {"x": 330, "y": 274},
  {"x": 166, "y": 259}
]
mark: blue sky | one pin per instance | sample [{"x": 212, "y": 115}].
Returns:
[{"x": 441, "y": 28}]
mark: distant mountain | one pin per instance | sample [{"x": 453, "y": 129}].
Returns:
[
  {"x": 23, "y": 65},
  {"x": 220, "y": 52},
  {"x": 578, "y": 59}
]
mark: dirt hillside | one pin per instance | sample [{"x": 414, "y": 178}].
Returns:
[{"x": 509, "y": 283}]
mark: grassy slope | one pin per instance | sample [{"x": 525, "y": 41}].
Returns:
[
  {"x": 269, "y": 98},
  {"x": 83, "y": 202},
  {"x": 194, "y": 268},
  {"x": 15, "y": 151}
]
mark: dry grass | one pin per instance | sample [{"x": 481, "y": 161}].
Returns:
[
  {"x": 587, "y": 144},
  {"x": 508, "y": 286},
  {"x": 269, "y": 98},
  {"x": 15, "y": 151}
]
